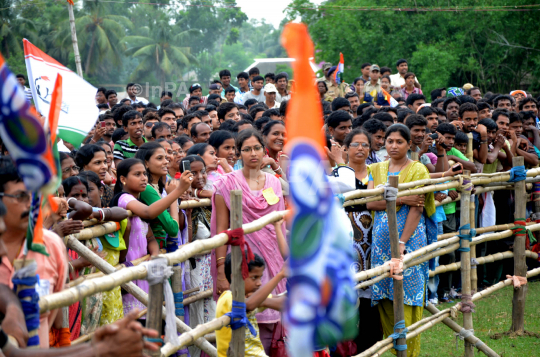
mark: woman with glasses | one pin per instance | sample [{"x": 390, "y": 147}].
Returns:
[
  {"x": 261, "y": 195},
  {"x": 67, "y": 165},
  {"x": 357, "y": 143},
  {"x": 198, "y": 219},
  {"x": 165, "y": 225},
  {"x": 178, "y": 155},
  {"x": 94, "y": 158}
]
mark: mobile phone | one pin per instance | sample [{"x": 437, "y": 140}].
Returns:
[
  {"x": 434, "y": 136},
  {"x": 186, "y": 166},
  {"x": 456, "y": 168},
  {"x": 103, "y": 124}
]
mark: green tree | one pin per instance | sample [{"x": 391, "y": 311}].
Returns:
[
  {"x": 100, "y": 38},
  {"x": 158, "y": 49}
]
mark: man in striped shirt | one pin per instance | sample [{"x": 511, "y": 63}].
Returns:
[{"x": 133, "y": 124}]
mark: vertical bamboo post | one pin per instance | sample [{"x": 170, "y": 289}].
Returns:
[
  {"x": 474, "y": 270},
  {"x": 520, "y": 267},
  {"x": 17, "y": 265},
  {"x": 469, "y": 152},
  {"x": 74, "y": 40},
  {"x": 536, "y": 197},
  {"x": 154, "y": 319},
  {"x": 399, "y": 309},
  {"x": 176, "y": 284},
  {"x": 414, "y": 156},
  {"x": 466, "y": 258},
  {"x": 237, "y": 346}
]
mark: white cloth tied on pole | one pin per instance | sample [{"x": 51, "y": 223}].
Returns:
[{"x": 160, "y": 272}]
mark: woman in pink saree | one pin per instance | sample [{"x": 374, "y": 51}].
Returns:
[{"x": 253, "y": 183}]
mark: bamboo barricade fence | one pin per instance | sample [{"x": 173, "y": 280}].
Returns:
[{"x": 491, "y": 181}]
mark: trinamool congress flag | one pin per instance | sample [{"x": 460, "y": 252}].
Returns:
[
  {"x": 78, "y": 112},
  {"x": 321, "y": 306}
]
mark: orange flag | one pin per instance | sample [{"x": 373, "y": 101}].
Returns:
[{"x": 304, "y": 111}]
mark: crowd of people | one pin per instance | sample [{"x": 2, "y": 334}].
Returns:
[{"x": 145, "y": 158}]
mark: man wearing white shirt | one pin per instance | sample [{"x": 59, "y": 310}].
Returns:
[
  {"x": 22, "y": 81},
  {"x": 132, "y": 89},
  {"x": 398, "y": 80},
  {"x": 281, "y": 83}
]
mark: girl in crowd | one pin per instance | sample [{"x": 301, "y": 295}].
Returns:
[
  {"x": 385, "y": 83},
  {"x": 155, "y": 161},
  {"x": 261, "y": 195},
  {"x": 113, "y": 244},
  {"x": 416, "y": 230},
  {"x": 323, "y": 89},
  {"x": 211, "y": 161},
  {"x": 223, "y": 142},
  {"x": 111, "y": 173},
  {"x": 167, "y": 146},
  {"x": 94, "y": 158},
  {"x": 357, "y": 143},
  {"x": 201, "y": 311},
  {"x": 132, "y": 181},
  {"x": 178, "y": 155},
  {"x": 185, "y": 142},
  {"x": 81, "y": 320},
  {"x": 274, "y": 135},
  {"x": 67, "y": 165},
  {"x": 359, "y": 88}
]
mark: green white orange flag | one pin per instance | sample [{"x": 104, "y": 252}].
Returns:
[{"x": 78, "y": 111}]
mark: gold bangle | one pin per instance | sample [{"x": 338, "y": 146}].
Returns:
[
  {"x": 190, "y": 226},
  {"x": 218, "y": 259},
  {"x": 442, "y": 174}
]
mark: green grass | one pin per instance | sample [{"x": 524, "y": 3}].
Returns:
[{"x": 493, "y": 315}]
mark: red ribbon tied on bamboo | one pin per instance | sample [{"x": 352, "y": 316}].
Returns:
[{"x": 236, "y": 238}]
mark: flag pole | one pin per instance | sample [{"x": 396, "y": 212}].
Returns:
[{"x": 74, "y": 38}]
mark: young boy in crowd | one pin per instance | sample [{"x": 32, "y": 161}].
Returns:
[{"x": 258, "y": 298}]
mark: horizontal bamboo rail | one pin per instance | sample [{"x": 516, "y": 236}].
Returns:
[
  {"x": 126, "y": 275},
  {"x": 482, "y": 260},
  {"x": 496, "y": 228},
  {"x": 188, "y": 338}
]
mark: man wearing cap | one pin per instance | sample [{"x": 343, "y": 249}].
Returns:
[
  {"x": 194, "y": 91},
  {"x": 374, "y": 83},
  {"x": 326, "y": 67},
  {"x": 398, "y": 79},
  {"x": 336, "y": 90},
  {"x": 270, "y": 92},
  {"x": 215, "y": 88}
]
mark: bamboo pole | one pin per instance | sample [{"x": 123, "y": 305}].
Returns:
[
  {"x": 202, "y": 295},
  {"x": 520, "y": 266},
  {"x": 74, "y": 40},
  {"x": 398, "y": 303},
  {"x": 238, "y": 340},
  {"x": 97, "y": 231},
  {"x": 123, "y": 277},
  {"x": 466, "y": 257},
  {"x": 197, "y": 333},
  {"x": 482, "y": 260},
  {"x": 447, "y": 200},
  {"x": 482, "y": 347},
  {"x": 154, "y": 320},
  {"x": 496, "y": 228},
  {"x": 469, "y": 151},
  {"x": 203, "y": 202},
  {"x": 536, "y": 196},
  {"x": 474, "y": 270}
]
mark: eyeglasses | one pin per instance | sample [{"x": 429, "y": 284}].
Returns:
[
  {"x": 355, "y": 145},
  {"x": 254, "y": 148},
  {"x": 21, "y": 197},
  {"x": 67, "y": 170}
]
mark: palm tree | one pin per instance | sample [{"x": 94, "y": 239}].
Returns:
[
  {"x": 100, "y": 36},
  {"x": 12, "y": 27},
  {"x": 158, "y": 49}
]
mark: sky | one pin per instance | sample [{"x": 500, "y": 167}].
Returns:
[{"x": 270, "y": 10}]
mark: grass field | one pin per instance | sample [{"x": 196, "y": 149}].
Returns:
[{"x": 493, "y": 315}]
